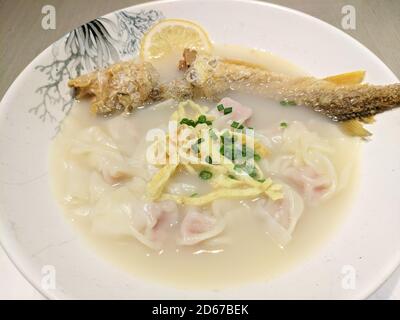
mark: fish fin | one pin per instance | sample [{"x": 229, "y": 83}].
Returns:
[
  {"x": 355, "y": 128},
  {"x": 368, "y": 120},
  {"x": 347, "y": 78}
]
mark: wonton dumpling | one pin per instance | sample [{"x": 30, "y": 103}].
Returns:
[
  {"x": 120, "y": 213},
  {"x": 198, "y": 226},
  {"x": 315, "y": 181},
  {"x": 117, "y": 212},
  {"x": 76, "y": 193},
  {"x": 280, "y": 216},
  {"x": 162, "y": 217},
  {"x": 124, "y": 133},
  {"x": 98, "y": 187},
  {"x": 100, "y": 152},
  {"x": 303, "y": 162}
]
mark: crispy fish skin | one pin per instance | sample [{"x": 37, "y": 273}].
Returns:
[
  {"x": 338, "y": 102},
  {"x": 124, "y": 86},
  {"x": 121, "y": 87}
]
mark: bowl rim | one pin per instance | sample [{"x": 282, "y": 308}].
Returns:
[{"x": 16, "y": 258}]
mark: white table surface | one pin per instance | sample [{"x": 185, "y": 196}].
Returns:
[{"x": 378, "y": 28}]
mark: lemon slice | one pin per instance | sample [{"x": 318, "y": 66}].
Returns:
[{"x": 171, "y": 36}]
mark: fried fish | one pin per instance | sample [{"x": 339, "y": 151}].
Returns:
[{"x": 127, "y": 85}]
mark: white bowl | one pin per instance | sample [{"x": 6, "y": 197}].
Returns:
[{"x": 37, "y": 237}]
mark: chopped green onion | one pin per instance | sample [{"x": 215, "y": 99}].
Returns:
[
  {"x": 194, "y": 195},
  {"x": 205, "y": 175},
  {"x": 202, "y": 119},
  {"x": 248, "y": 152},
  {"x": 257, "y": 157},
  {"x": 188, "y": 122},
  {"x": 261, "y": 180},
  {"x": 288, "y": 103},
  {"x": 232, "y": 177},
  {"x": 244, "y": 150},
  {"x": 253, "y": 174},
  {"x": 220, "y": 107},
  {"x": 227, "y": 110},
  {"x": 227, "y": 147},
  {"x": 284, "y": 125},
  {"x": 195, "y": 146},
  {"x": 235, "y": 124},
  {"x": 250, "y": 170},
  {"x": 208, "y": 160}
]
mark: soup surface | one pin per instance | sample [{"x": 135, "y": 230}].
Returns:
[{"x": 101, "y": 174}]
